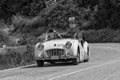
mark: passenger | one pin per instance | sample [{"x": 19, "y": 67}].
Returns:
[
  {"x": 76, "y": 35},
  {"x": 80, "y": 37}
]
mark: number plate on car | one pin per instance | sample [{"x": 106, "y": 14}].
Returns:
[{"x": 54, "y": 57}]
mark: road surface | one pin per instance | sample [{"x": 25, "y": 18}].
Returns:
[{"x": 104, "y": 64}]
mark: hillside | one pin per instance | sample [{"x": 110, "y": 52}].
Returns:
[
  {"x": 98, "y": 13},
  {"x": 34, "y": 17}
]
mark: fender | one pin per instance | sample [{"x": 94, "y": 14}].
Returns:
[
  {"x": 75, "y": 48},
  {"x": 36, "y": 51},
  {"x": 85, "y": 46}
]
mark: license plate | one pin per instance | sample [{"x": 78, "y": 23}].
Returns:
[{"x": 54, "y": 57}]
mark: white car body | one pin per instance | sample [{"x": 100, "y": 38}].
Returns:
[{"x": 56, "y": 50}]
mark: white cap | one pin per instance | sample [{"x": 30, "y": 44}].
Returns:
[{"x": 71, "y": 19}]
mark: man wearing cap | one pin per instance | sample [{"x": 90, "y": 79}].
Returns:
[{"x": 52, "y": 34}]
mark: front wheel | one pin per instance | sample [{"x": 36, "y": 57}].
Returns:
[
  {"x": 40, "y": 63},
  {"x": 77, "y": 60},
  {"x": 52, "y": 62}
]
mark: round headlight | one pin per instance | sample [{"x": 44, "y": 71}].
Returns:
[
  {"x": 40, "y": 47},
  {"x": 68, "y": 44}
]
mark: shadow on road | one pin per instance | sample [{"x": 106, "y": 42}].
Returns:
[{"x": 51, "y": 65}]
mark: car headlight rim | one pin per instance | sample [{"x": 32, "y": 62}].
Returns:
[
  {"x": 68, "y": 45},
  {"x": 40, "y": 47}
]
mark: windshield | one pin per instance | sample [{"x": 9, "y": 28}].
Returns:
[
  {"x": 59, "y": 36},
  {"x": 68, "y": 36},
  {"x": 53, "y": 36}
]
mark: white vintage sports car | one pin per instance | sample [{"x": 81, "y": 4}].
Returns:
[{"x": 61, "y": 49}]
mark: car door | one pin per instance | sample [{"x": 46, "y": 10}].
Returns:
[{"x": 82, "y": 54}]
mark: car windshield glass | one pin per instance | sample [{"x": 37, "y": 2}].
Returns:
[
  {"x": 53, "y": 36},
  {"x": 68, "y": 36}
]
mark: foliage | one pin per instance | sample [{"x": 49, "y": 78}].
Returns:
[
  {"x": 108, "y": 14},
  {"x": 4, "y": 39},
  {"x": 28, "y": 24},
  {"x": 34, "y": 17},
  {"x": 102, "y": 35},
  {"x": 16, "y": 57},
  {"x": 59, "y": 17},
  {"x": 94, "y": 14},
  {"x": 24, "y": 7}
]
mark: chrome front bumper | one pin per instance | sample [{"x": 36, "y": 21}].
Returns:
[{"x": 57, "y": 60}]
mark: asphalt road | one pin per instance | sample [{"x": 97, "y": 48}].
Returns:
[{"x": 104, "y": 64}]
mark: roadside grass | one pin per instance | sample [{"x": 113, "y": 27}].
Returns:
[{"x": 11, "y": 58}]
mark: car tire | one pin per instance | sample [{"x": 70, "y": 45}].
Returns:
[
  {"x": 87, "y": 55},
  {"x": 52, "y": 63},
  {"x": 78, "y": 55},
  {"x": 40, "y": 63},
  {"x": 77, "y": 60}
]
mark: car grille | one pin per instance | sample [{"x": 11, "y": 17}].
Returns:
[{"x": 55, "y": 52}]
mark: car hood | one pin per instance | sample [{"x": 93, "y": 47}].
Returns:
[{"x": 52, "y": 44}]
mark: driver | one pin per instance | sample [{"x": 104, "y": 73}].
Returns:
[{"x": 52, "y": 34}]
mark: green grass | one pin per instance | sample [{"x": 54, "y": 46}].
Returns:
[
  {"x": 102, "y": 36},
  {"x": 12, "y": 58}
]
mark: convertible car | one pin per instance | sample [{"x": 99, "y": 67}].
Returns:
[{"x": 61, "y": 49}]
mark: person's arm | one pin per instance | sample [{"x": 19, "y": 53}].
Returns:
[
  {"x": 76, "y": 35},
  {"x": 59, "y": 35},
  {"x": 46, "y": 37}
]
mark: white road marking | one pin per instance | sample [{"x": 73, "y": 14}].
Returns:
[
  {"x": 16, "y": 68},
  {"x": 89, "y": 68},
  {"x": 105, "y": 47}
]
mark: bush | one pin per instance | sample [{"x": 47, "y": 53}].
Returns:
[
  {"x": 103, "y": 35},
  {"x": 12, "y": 58}
]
